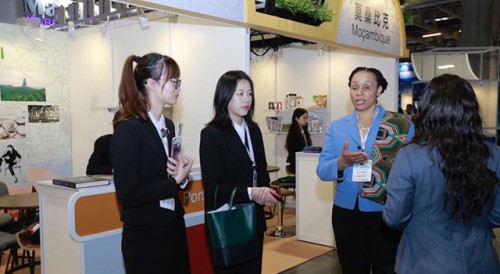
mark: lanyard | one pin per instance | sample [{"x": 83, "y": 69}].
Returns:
[{"x": 248, "y": 145}]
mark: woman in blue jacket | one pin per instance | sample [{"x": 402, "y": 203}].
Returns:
[
  {"x": 444, "y": 188},
  {"x": 357, "y": 154}
]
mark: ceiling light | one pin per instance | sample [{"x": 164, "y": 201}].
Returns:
[
  {"x": 103, "y": 26},
  {"x": 446, "y": 66},
  {"x": 431, "y": 34},
  {"x": 143, "y": 21},
  {"x": 40, "y": 35},
  {"x": 321, "y": 52},
  {"x": 442, "y": 19},
  {"x": 71, "y": 29}
]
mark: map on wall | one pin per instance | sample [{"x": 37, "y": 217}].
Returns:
[{"x": 34, "y": 102}]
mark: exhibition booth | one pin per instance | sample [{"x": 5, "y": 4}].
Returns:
[{"x": 80, "y": 76}]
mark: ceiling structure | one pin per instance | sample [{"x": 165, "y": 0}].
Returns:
[
  {"x": 440, "y": 18},
  {"x": 423, "y": 17},
  {"x": 429, "y": 24}
]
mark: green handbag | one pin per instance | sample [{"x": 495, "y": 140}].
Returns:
[{"x": 232, "y": 233}]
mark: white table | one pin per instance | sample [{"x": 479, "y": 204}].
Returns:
[{"x": 314, "y": 202}]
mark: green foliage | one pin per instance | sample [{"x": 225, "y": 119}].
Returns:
[
  {"x": 22, "y": 94},
  {"x": 407, "y": 14},
  {"x": 313, "y": 8}
]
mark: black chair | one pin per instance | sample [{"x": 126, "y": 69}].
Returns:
[
  {"x": 8, "y": 242},
  {"x": 6, "y": 219},
  {"x": 283, "y": 184},
  {"x": 25, "y": 241}
]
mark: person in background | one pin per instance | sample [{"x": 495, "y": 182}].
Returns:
[
  {"x": 409, "y": 109},
  {"x": 297, "y": 138},
  {"x": 232, "y": 156},
  {"x": 100, "y": 162},
  {"x": 364, "y": 244},
  {"x": 147, "y": 180},
  {"x": 11, "y": 158},
  {"x": 444, "y": 190}
]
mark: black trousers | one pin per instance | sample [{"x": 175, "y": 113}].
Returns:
[
  {"x": 156, "y": 249},
  {"x": 364, "y": 242}
]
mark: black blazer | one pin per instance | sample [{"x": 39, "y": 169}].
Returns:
[
  {"x": 100, "y": 162},
  {"x": 225, "y": 162},
  {"x": 295, "y": 143},
  {"x": 140, "y": 173}
]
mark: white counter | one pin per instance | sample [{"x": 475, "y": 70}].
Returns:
[
  {"x": 81, "y": 229},
  {"x": 74, "y": 237},
  {"x": 314, "y": 202}
]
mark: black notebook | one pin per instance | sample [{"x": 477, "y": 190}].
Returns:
[{"x": 81, "y": 181}]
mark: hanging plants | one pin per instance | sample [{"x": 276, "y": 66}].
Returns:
[{"x": 311, "y": 12}]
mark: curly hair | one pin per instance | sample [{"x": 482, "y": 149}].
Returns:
[{"x": 448, "y": 120}]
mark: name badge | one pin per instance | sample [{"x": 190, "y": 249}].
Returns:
[
  {"x": 362, "y": 172},
  {"x": 168, "y": 204}
]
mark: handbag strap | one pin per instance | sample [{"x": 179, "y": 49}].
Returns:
[{"x": 230, "y": 200}]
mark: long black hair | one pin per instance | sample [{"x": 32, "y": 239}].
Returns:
[
  {"x": 449, "y": 121},
  {"x": 224, "y": 91},
  {"x": 295, "y": 130}
]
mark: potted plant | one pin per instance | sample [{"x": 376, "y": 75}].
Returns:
[{"x": 312, "y": 12}]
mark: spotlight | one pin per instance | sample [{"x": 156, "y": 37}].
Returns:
[
  {"x": 143, "y": 21},
  {"x": 40, "y": 35},
  {"x": 321, "y": 52},
  {"x": 71, "y": 29},
  {"x": 103, "y": 26}
]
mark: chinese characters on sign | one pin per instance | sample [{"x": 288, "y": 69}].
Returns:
[
  {"x": 370, "y": 19},
  {"x": 370, "y": 24}
]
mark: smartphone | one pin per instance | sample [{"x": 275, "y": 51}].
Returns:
[
  {"x": 277, "y": 197},
  {"x": 176, "y": 147}
]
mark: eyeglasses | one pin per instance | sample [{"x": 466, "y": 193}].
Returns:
[{"x": 177, "y": 83}]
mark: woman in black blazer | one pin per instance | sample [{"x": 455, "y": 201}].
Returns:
[
  {"x": 146, "y": 179},
  {"x": 297, "y": 138},
  {"x": 232, "y": 156}
]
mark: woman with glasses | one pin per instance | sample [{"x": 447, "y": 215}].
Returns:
[
  {"x": 147, "y": 179},
  {"x": 232, "y": 156},
  {"x": 358, "y": 153},
  {"x": 444, "y": 190}
]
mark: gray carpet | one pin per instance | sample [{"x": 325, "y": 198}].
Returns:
[
  {"x": 329, "y": 263},
  {"x": 326, "y": 263}
]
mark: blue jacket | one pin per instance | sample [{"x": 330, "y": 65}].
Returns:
[
  {"x": 431, "y": 242},
  {"x": 346, "y": 129}
]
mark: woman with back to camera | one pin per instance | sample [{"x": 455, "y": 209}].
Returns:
[
  {"x": 232, "y": 156},
  {"x": 297, "y": 138},
  {"x": 444, "y": 190},
  {"x": 363, "y": 242},
  {"x": 146, "y": 179}
]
